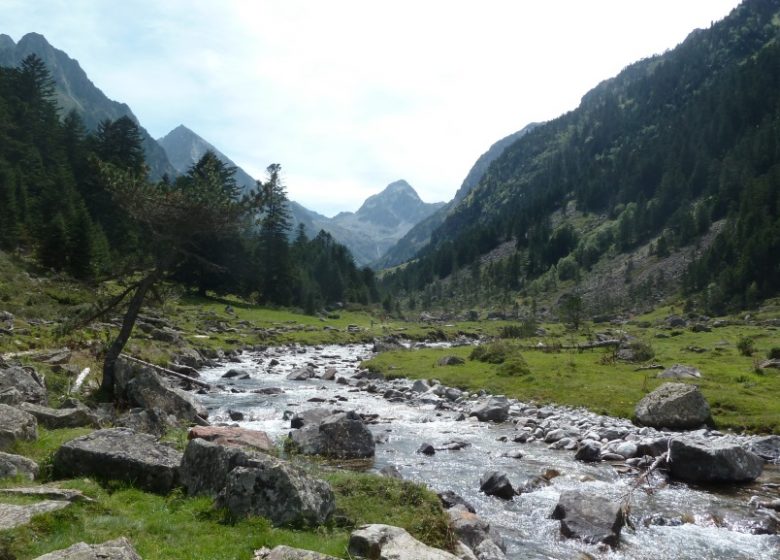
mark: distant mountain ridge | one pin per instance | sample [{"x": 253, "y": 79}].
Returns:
[
  {"x": 74, "y": 90},
  {"x": 377, "y": 225},
  {"x": 419, "y": 235},
  {"x": 184, "y": 148}
]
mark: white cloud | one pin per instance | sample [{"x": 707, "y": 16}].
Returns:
[{"x": 350, "y": 95}]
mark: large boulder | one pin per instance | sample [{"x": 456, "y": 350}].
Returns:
[
  {"x": 120, "y": 454},
  {"x": 342, "y": 435},
  {"x": 283, "y": 552},
  {"x": 385, "y": 542},
  {"x": 148, "y": 421},
  {"x": 496, "y": 409},
  {"x": 205, "y": 466},
  {"x": 674, "y": 405},
  {"x": 301, "y": 374},
  {"x": 699, "y": 461},
  {"x": 25, "y": 381},
  {"x": 281, "y": 492},
  {"x": 16, "y": 465},
  {"x": 233, "y": 436},
  {"x": 119, "y": 549},
  {"x": 16, "y": 425},
  {"x": 56, "y": 418},
  {"x": 142, "y": 387},
  {"x": 588, "y": 517}
]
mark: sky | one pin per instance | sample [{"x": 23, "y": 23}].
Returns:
[{"x": 351, "y": 95}]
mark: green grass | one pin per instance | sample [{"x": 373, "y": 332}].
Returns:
[
  {"x": 176, "y": 527},
  {"x": 740, "y": 397}
]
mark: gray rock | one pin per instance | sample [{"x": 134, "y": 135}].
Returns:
[
  {"x": 767, "y": 447},
  {"x": 12, "y": 515},
  {"x": 450, "y": 499},
  {"x": 451, "y": 361},
  {"x": 497, "y": 484},
  {"x": 652, "y": 446},
  {"x": 680, "y": 371},
  {"x": 674, "y": 405},
  {"x": 385, "y": 542},
  {"x": 278, "y": 491},
  {"x": 48, "y": 492},
  {"x": 588, "y": 452},
  {"x": 496, "y": 409},
  {"x": 16, "y": 465},
  {"x": 342, "y": 435},
  {"x": 119, "y": 549},
  {"x": 627, "y": 449},
  {"x": 473, "y": 530},
  {"x": 153, "y": 421},
  {"x": 420, "y": 386},
  {"x": 391, "y": 471},
  {"x": 120, "y": 454},
  {"x": 56, "y": 418},
  {"x": 205, "y": 466},
  {"x": 189, "y": 357},
  {"x": 283, "y": 552},
  {"x": 695, "y": 461},
  {"x": 330, "y": 374},
  {"x": 142, "y": 387},
  {"x": 591, "y": 518},
  {"x": 301, "y": 374},
  {"x": 426, "y": 449},
  {"x": 309, "y": 417},
  {"x": 489, "y": 550},
  {"x": 235, "y": 374},
  {"x": 23, "y": 380},
  {"x": 11, "y": 396},
  {"x": 15, "y": 425}
]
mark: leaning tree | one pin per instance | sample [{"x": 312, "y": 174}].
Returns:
[{"x": 175, "y": 218}]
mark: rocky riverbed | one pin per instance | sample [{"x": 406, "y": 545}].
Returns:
[{"x": 450, "y": 441}]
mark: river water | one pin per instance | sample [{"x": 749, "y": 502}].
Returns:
[{"x": 699, "y": 523}]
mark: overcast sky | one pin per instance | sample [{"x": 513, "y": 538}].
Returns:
[{"x": 351, "y": 95}]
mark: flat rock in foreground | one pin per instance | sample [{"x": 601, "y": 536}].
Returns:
[
  {"x": 120, "y": 454},
  {"x": 119, "y": 549},
  {"x": 283, "y": 552},
  {"x": 698, "y": 461},
  {"x": 385, "y": 542},
  {"x": 12, "y": 515}
]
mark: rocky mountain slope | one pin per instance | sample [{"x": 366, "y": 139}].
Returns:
[
  {"x": 75, "y": 91},
  {"x": 647, "y": 164}
]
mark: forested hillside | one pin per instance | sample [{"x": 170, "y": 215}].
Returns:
[
  {"x": 57, "y": 206},
  {"x": 653, "y": 157}
]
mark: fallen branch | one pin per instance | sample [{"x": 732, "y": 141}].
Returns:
[{"x": 167, "y": 371}]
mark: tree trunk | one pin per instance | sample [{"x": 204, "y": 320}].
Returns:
[{"x": 128, "y": 321}]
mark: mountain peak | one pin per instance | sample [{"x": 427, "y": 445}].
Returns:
[
  {"x": 400, "y": 186},
  {"x": 6, "y": 42}
]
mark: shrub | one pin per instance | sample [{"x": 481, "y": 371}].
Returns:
[
  {"x": 746, "y": 346},
  {"x": 774, "y": 353},
  {"x": 496, "y": 352},
  {"x": 515, "y": 366}
]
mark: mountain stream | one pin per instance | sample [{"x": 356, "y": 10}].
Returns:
[{"x": 673, "y": 521}]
